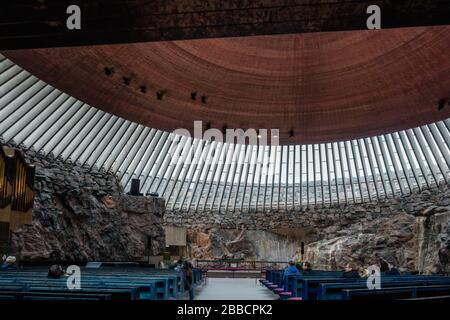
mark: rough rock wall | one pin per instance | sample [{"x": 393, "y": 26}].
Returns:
[
  {"x": 412, "y": 232},
  {"x": 415, "y": 235},
  {"x": 433, "y": 240},
  {"x": 81, "y": 213},
  {"x": 217, "y": 243}
]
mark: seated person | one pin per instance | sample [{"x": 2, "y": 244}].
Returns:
[
  {"x": 291, "y": 270},
  {"x": 9, "y": 262},
  {"x": 350, "y": 272},
  {"x": 177, "y": 265},
  {"x": 384, "y": 265},
  {"x": 393, "y": 271},
  {"x": 306, "y": 267},
  {"x": 56, "y": 272}
]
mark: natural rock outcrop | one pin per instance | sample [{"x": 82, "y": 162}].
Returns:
[
  {"x": 80, "y": 213},
  {"x": 363, "y": 243},
  {"x": 414, "y": 236},
  {"x": 434, "y": 240},
  {"x": 217, "y": 243}
]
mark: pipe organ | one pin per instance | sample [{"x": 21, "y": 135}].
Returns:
[{"x": 16, "y": 193}]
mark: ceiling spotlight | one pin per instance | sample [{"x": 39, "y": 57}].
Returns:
[
  {"x": 204, "y": 99},
  {"x": 126, "y": 81},
  {"x": 143, "y": 89},
  {"x": 108, "y": 71},
  {"x": 194, "y": 96},
  {"x": 291, "y": 133},
  {"x": 160, "y": 95}
]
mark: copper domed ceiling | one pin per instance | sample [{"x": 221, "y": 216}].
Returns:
[{"x": 315, "y": 88}]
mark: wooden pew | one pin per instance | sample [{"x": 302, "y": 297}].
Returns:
[
  {"x": 115, "y": 293},
  {"x": 294, "y": 284},
  {"x": 157, "y": 284},
  {"x": 396, "y": 293},
  {"x": 10, "y": 296},
  {"x": 139, "y": 289},
  {"x": 333, "y": 291},
  {"x": 277, "y": 276},
  {"x": 307, "y": 287}
]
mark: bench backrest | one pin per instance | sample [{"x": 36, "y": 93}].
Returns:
[
  {"x": 396, "y": 293},
  {"x": 333, "y": 291}
]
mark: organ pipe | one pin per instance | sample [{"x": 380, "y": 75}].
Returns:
[{"x": 16, "y": 193}]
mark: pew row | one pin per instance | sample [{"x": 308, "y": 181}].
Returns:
[
  {"x": 326, "y": 285},
  {"x": 116, "y": 285}
]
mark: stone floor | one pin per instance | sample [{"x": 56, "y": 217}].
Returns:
[{"x": 233, "y": 289}]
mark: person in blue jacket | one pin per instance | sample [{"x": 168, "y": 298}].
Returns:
[{"x": 291, "y": 270}]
